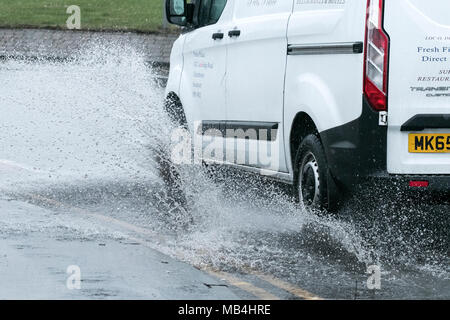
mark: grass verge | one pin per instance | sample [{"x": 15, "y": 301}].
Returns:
[{"x": 101, "y": 15}]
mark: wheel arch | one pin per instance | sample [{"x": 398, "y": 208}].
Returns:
[{"x": 302, "y": 126}]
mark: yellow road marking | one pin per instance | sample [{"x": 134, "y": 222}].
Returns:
[
  {"x": 296, "y": 291},
  {"x": 236, "y": 282},
  {"x": 233, "y": 280},
  {"x": 120, "y": 223}
]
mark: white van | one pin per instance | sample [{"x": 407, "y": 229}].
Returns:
[{"x": 336, "y": 90}]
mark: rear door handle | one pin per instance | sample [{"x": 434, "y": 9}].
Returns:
[
  {"x": 217, "y": 36},
  {"x": 234, "y": 33}
]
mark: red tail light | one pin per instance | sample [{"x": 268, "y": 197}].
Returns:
[
  {"x": 376, "y": 57},
  {"x": 419, "y": 184}
]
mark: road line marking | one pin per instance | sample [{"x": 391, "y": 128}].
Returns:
[
  {"x": 296, "y": 291},
  {"x": 239, "y": 283},
  {"x": 283, "y": 285},
  {"x": 12, "y": 165},
  {"x": 233, "y": 280},
  {"x": 120, "y": 223}
]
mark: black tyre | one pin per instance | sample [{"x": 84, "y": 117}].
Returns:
[
  {"x": 312, "y": 175},
  {"x": 168, "y": 170},
  {"x": 175, "y": 112}
]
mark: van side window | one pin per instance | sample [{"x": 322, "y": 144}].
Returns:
[{"x": 210, "y": 11}]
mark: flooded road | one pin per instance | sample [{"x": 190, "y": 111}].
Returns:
[{"x": 77, "y": 173}]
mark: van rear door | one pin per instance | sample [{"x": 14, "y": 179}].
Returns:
[{"x": 419, "y": 86}]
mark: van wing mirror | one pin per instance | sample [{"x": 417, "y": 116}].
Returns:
[{"x": 179, "y": 12}]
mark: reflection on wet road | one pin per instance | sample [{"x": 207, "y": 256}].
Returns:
[{"x": 77, "y": 143}]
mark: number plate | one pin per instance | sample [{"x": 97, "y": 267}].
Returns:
[{"x": 429, "y": 143}]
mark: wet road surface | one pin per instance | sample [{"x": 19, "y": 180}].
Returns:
[{"x": 79, "y": 186}]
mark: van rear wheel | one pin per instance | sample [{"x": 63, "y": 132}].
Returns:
[{"x": 311, "y": 174}]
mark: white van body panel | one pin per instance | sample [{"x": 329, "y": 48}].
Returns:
[
  {"x": 413, "y": 27},
  {"x": 327, "y": 87},
  {"x": 256, "y": 73},
  {"x": 176, "y": 67},
  {"x": 203, "y": 83}
]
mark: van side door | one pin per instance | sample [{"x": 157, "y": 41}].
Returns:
[
  {"x": 256, "y": 66},
  {"x": 202, "y": 87}
]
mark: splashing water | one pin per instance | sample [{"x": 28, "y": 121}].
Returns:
[{"x": 83, "y": 132}]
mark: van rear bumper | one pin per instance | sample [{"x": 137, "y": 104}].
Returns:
[
  {"x": 435, "y": 183},
  {"x": 357, "y": 151}
]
